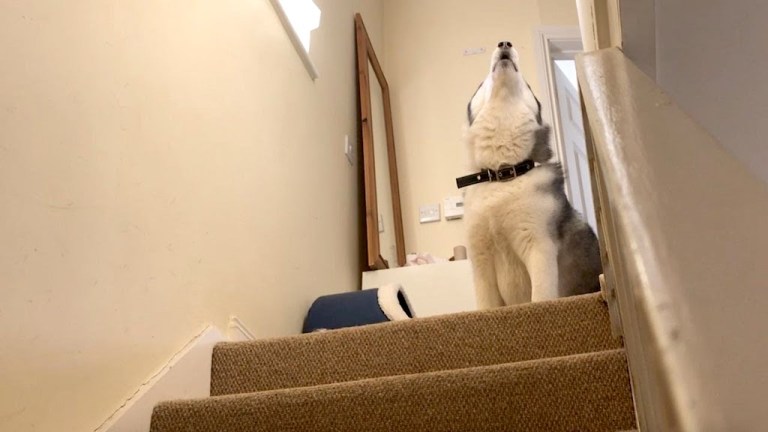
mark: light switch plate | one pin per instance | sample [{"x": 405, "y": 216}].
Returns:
[
  {"x": 349, "y": 150},
  {"x": 429, "y": 213}
]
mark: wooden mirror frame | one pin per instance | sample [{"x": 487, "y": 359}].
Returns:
[{"x": 365, "y": 53}]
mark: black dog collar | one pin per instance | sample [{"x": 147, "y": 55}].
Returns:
[{"x": 505, "y": 173}]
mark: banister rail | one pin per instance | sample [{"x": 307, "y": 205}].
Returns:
[{"x": 684, "y": 236}]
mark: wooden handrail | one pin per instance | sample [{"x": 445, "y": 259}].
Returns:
[{"x": 684, "y": 233}]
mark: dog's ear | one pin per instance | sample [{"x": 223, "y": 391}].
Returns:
[
  {"x": 538, "y": 104},
  {"x": 470, "y": 113},
  {"x": 542, "y": 152},
  {"x": 538, "y": 111}
]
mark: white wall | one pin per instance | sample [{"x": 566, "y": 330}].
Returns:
[
  {"x": 162, "y": 165},
  {"x": 431, "y": 83},
  {"x": 638, "y": 28},
  {"x": 709, "y": 55},
  {"x": 711, "y": 58}
]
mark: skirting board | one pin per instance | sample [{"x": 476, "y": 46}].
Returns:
[
  {"x": 237, "y": 331},
  {"x": 186, "y": 375}
]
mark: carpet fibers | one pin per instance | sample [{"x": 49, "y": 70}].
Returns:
[
  {"x": 531, "y": 331},
  {"x": 549, "y": 367}
]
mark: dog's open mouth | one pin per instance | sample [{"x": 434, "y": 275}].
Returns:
[{"x": 505, "y": 61}]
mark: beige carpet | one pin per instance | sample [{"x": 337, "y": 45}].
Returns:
[
  {"x": 527, "y": 332},
  {"x": 542, "y": 367},
  {"x": 586, "y": 392}
]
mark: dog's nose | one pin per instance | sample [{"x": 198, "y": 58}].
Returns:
[{"x": 504, "y": 44}]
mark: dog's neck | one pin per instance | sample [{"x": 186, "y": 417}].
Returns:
[
  {"x": 507, "y": 88},
  {"x": 503, "y": 133}
]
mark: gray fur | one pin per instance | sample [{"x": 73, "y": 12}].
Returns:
[
  {"x": 538, "y": 104},
  {"x": 578, "y": 259},
  {"x": 542, "y": 151},
  {"x": 470, "y": 115}
]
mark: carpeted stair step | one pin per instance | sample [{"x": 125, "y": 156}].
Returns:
[
  {"x": 585, "y": 392},
  {"x": 531, "y": 331}
]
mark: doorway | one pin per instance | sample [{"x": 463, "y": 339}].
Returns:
[{"x": 556, "y": 48}]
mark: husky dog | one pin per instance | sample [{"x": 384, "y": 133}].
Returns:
[{"x": 526, "y": 242}]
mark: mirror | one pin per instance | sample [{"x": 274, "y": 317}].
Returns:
[
  {"x": 383, "y": 218},
  {"x": 386, "y": 217}
]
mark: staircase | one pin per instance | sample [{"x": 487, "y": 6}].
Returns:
[{"x": 550, "y": 366}]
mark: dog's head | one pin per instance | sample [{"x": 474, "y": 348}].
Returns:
[
  {"x": 505, "y": 57},
  {"x": 503, "y": 79},
  {"x": 505, "y": 100}
]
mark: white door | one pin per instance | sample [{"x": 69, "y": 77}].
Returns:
[{"x": 575, "y": 161}]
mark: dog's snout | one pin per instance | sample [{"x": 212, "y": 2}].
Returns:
[{"x": 505, "y": 44}]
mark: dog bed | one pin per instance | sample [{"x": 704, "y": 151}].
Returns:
[{"x": 370, "y": 306}]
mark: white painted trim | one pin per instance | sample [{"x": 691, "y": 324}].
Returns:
[
  {"x": 587, "y": 24},
  {"x": 614, "y": 22},
  {"x": 186, "y": 375},
  {"x": 294, "y": 37},
  {"x": 237, "y": 331},
  {"x": 544, "y": 37},
  {"x": 600, "y": 23}
]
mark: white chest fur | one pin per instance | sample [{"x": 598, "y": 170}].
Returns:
[
  {"x": 502, "y": 133},
  {"x": 505, "y": 222}
]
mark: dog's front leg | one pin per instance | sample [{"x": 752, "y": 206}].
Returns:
[
  {"x": 484, "y": 274},
  {"x": 541, "y": 262}
]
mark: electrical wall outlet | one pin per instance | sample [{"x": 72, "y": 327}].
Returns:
[{"x": 429, "y": 213}]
